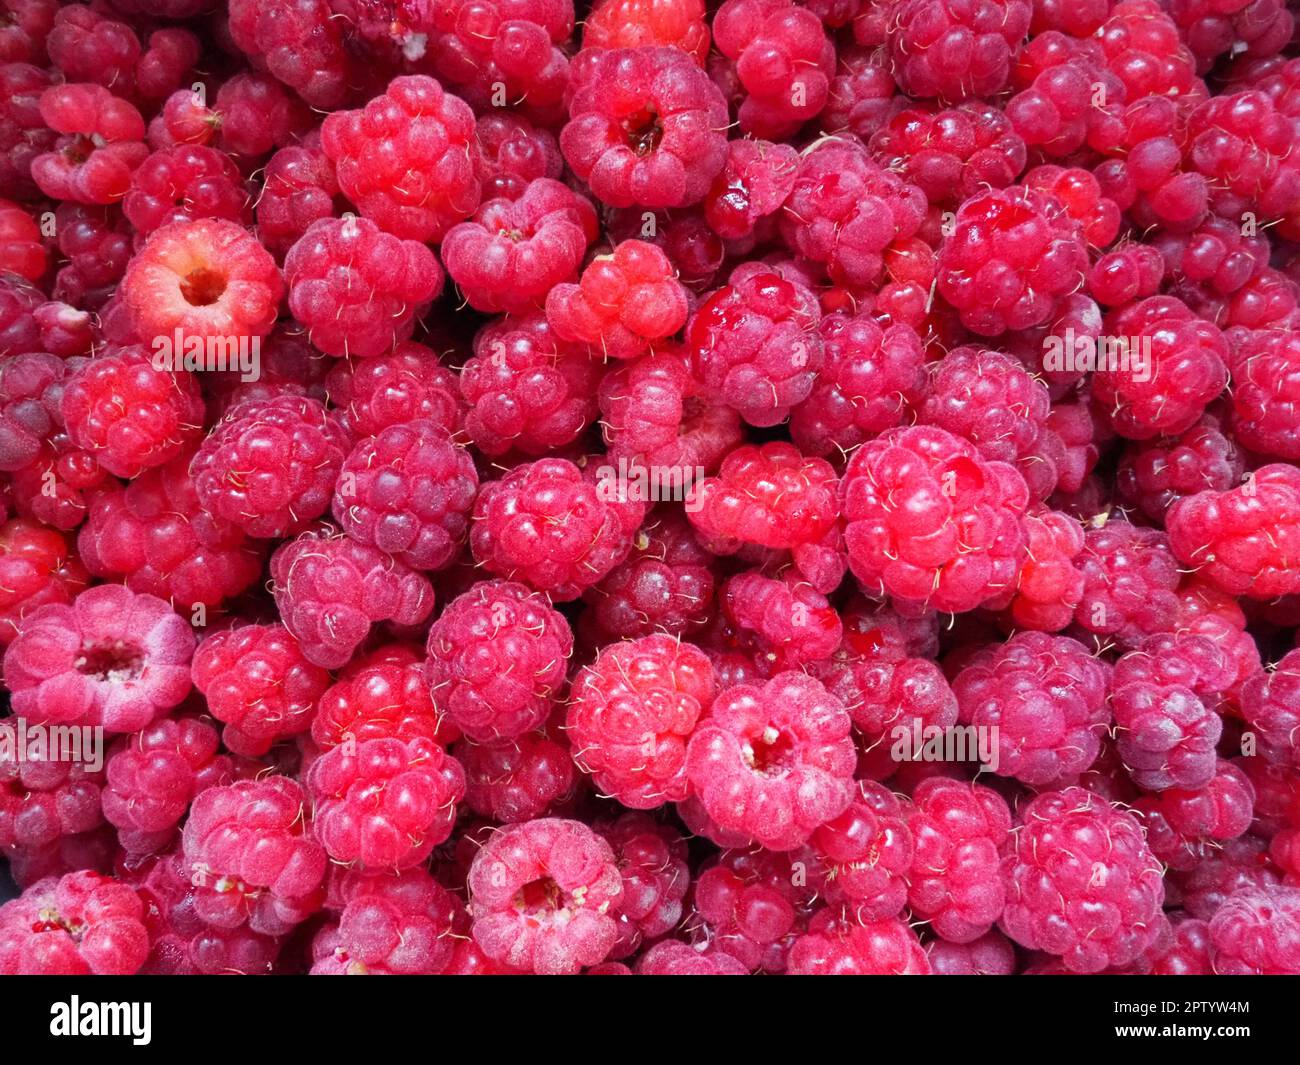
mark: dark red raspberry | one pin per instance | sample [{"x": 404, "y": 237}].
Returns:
[
  {"x": 259, "y": 684},
  {"x": 43, "y": 799},
  {"x": 782, "y": 622},
  {"x": 497, "y": 656},
  {"x": 300, "y": 42},
  {"x": 1184, "y": 826},
  {"x": 299, "y": 188},
  {"x": 954, "y": 880},
  {"x": 865, "y": 853},
  {"x": 1155, "y": 474},
  {"x": 85, "y": 45},
  {"x": 990, "y": 955},
  {"x": 101, "y": 143},
  {"x": 671, "y": 957},
  {"x": 1051, "y": 583},
  {"x": 184, "y": 183},
  {"x": 356, "y": 289},
  {"x": 643, "y": 23},
  {"x": 97, "y": 244},
  {"x": 929, "y": 521},
  {"x": 1239, "y": 865},
  {"x": 26, "y": 27},
  {"x": 646, "y": 127},
  {"x": 838, "y": 944},
  {"x": 1257, "y": 933},
  {"x": 652, "y": 860},
  {"x": 77, "y": 925},
  {"x": 953, "y": 50},
  {"x": 1081, "y": 883},
  {"x": 111, "y": 658},
  {"x": 862, "y": 94},
  {"x": 249, "y": 853},
  {"x": 751, "y": 188},
  {"x": 406, "y": 385},
  {"x": 519, "y": 780},
  {"x": 1268, "y": 703},
  {"x": 1245, "y": 540},
  {"x": 330, "y": 590},
  {"x": 515, "y": 153},
  {"x": 1256, "y": 28},
  {"x": 31, "y": 405},
  {"x": 754, "y": 343},
  {"x": 23, "y": 133},
  {"x": 773, "y": 762},
  {"x": 631, "y": 713},
  {"x": 544, "y": 897},
  {"x": 548, "y": 524},
  {"x": 37, "y": 566}
]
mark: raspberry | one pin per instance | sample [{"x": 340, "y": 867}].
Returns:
[
  {"x": 866, "y": 852},
  {"x": 1130, "y": 578},
  {"x": 631, "y": 713},
  {"x": 270, "y": 465},
  {"x": 1046, "y": 697},
  {"x": 153, "y": 775},
  {"x": 666, "y": 584},
  {"x": 547, "y": 524},
  {"x": 646, "y": 127},
  {"x": 1056, "y": 77},
  {"x": 26, "y": 27},
  {"x": 300, "y": 188},
  {"x": 953, "y": 51},
  {"x": 1245, "y": 540},
  {"x": 1265, "y": 392},
  {"x": 101, "y": 143},
  {"x": 670, "y": 957},
  {"x": 783, "y": 59},
  {"x": 838, "y": 944},
  {"x": 1258, "y": 28},
  {"x": 1239, "y": 865},
  {"x": 154, "y": 535},
  {"x": 544, "y": 897},
  {"x": 646, "y": 23},
  {"x": 356, "y": 289},
  {"x": 406, "y": 385},
  {"x": 37, "y": 567},
  {"x": 86, "y": 46},
  {"x": 528, "y": 390},
  {"x": 31, "y": 391},
  {"x": 862, "y": 94},
  {"x": 1012, "y": 257},
  {"x": 782, "y": 622},
  {"x": 1081, "y": 883},
  {"x": 256, "y": 114},
  {"x": 44, "y": 799},
  {"x": 1155, "y": 474},
  {"x": 989, "y": 955},
  {"x": 1183, "y": 826},
  {"x": 1268, "y": 703},
  {"x": 110, "y": 658},
  {"x": 1241, "y": 143},
  {"x": 205, "y": 278},
  {"x": 182, "y": 184},
  {"x": 395, "y": 925},
  {"x": 299, "y": 42},
  {"x": 1050, "y": 584},
  {"x": 384, "y": 803},
  {"x": 24, "y": 136},
  {"x": 519, "y": 780},
  {"x": 96, "y": 242},
  {"x": 330, "y": 590},
  {"x": 259, "y": 684},
  {"x": 954, "y": 880},
  {"x": 248, "y": 850},
  {"x": 21, "y": 251},
  {"x": 624, "y": 302},
  {"x": 409, "y": 160},
  {"x": 1130, "y": 273},
  {"x": 929, "y": 521},
  {"x": 754, "y": 344},
  {"x": 773, "y": 762},
  {"x": 514, "y": 251},
  {"x": 652, "y": 860},
  {"x": 951, "y": 154},
  {"x": 497, "y": 657},
  {"x": 77, "y": 925},
  {"x": 870, "y": 377},
  {"x": 1143, "y": 50},
  {"x": 515, "y": 153},
  {"x": 1078, "y": 191},
  {"x": 385, "y": 695},
  {"x": 1257, "y": 933}
]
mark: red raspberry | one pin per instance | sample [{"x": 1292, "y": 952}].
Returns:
[
  {"x": 384, "y": 803},
  {"x": 409, "y": 160},
  {"x": 256, "y": 114},
  {"x": 1051, "y": 584},
  {"x": 1056, "y": 77},
  {"x": 97, "y": 244},
  {"x": 153, "y": 776},
  {"x": 1257, "y": 933},
  {"x": 1126, "y": 275},
  {"x": 544, "y": 897},
  {"x": 300, "y": 187},
  {"x": 1046, "y": 698},
  {"x": 1239, "y": 865},
  {"x": 1155, "y": 474},
  {"x": 497, "y": 656},
  {"x": 380, "y": 696},
  {"x": 24, "y": 136},
  {"x": 21, "y": 250},
  {"x": 406, "y": 385},
  {"x": 990, "y": 955},
  {"x": 773, "y": 762},
  {"x": 624, "y": 302},
  {"x": 866, "y": 852},
  {"x": 546, "y": 523},
  {"x": 111, "y": 658},
  {"x": 1216, "y": 259},
  {"x": 1012, "y": 257},
  {"x": 519, "y": 780},
  {"x": 952, "y": 50},
  {"x": 869, "y": 379},
  {"x": 670, "y": 957},
  {"x": 1143, "y": 49},
  {"x": 862, "y": 94},
  {"x": 182, "y": 184},
  {"x": 515, "y": 153},
  {"x": 652, "y": 860},
  {"x": 1269, "y": 705},
  {"x": 930, "y": 521},
  {"x": 1245, "y": 540},
  {"x": 31, "y": 391},
  {"x": 631, "y": 713},
  {"x": 250, "y": 855},
  {"x": 356, "y": 289},
  {"x": 1078, "y": 191},
  {"x": 782, "y": 622},
  {"x": 1130, "y": 579},
  {"x": 783, "y": 59},
  {"x": 395, "y": 925},
  {"x": 1242, "y": 144},
  {"x": 1265, "y": 394},
  {"x": 101, "y": 143},
  {"x": 751, "y": 187},
  {"x": 1185, "y": 952},
  {"x": 300, "y": 42},
  {"x": 86, "y": 46},
  {"x": 754, "y": 344},
  {"x": 838, "y": 944},
  {"x": 258, "y": 682},
  {"x": 408, "y": 491},
  {"x": 666, "y": 584},
  {"x": 330, "y": 590},
  {"x": 26, "y": 27},
  {"x": 1184, "y": 826},
  {"x": 270, "y": 466},
  {"x": 1081, "y": 883},
  {"x": 528, "y": 391},
  {"x": 44, "y": 799},
  {"x": 646, "y": 23},
  {"x": 205, "y": 278},
  {"x": 646, "y": 127},
  {"x": 154, "y": 535},
  {"x": 1257, "y": 28},
  {"x": 954, "y": 881},
  {"x": 78, "y": 925},
  {"x": 37, "y": 567}
]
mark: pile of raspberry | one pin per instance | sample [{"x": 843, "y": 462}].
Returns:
[{"x": 650, "y": 487}]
